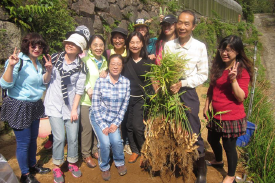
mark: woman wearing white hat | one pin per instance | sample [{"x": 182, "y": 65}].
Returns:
[{"x": 62, "y": 102}]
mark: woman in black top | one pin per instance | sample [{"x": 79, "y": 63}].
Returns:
[{"x": 134, "y": 70}]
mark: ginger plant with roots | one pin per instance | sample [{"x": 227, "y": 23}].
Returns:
[{"x": 169, "y": 140}]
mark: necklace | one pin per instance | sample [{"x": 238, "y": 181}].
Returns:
[{"x": 137, "y": 60}]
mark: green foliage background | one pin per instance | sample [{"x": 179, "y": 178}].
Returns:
[{"x": 50, "y": 18}]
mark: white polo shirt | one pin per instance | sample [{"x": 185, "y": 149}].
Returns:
[{"x": 195, "y": 52}]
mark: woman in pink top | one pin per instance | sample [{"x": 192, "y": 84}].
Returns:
[
  {"x": 168, "y": 33},
  {"x": 231, "y": 73}
]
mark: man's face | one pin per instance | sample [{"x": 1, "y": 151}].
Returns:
[{"x": 185, "y": 25}]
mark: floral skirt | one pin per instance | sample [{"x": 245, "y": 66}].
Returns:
[
  {"x": 20, "y": 114},
  {"x": 228, "y": 128}
]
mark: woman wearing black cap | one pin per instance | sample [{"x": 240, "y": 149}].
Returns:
[
  {"x": 168, "y": 33},
  {"x": 118, "y": 39}
]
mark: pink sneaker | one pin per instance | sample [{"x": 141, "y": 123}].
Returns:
[
  {"x": 48, "y": 145},
  {"x": 58, "y": 175},
  {"x": 75, "y": 170}
]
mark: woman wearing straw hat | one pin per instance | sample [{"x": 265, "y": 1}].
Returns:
[
  {"x": 142, "y": 27},
  {"x": 65, "y": 88}
]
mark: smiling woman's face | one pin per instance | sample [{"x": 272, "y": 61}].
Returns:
[
  {"x": 115, "y": 66},
  {"x": 97, "y": 47},
  {"x": 118, "y": 41},
  {"x": 135, "y": 45}
]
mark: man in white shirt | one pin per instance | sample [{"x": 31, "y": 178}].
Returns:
[{"x": 195, "y": 74}]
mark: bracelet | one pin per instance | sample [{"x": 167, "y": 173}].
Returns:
[{"x": 233, "y": 81}]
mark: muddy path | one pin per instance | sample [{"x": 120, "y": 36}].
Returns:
[{"x": 265, "y": 23}]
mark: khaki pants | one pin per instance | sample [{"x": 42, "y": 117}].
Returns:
[{"x": 88, "y": 138}]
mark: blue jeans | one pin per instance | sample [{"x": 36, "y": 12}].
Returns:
[
  {"x": 58, "y": 131},
  {"x": 105, "y": 143},
  {"x": 26, "y": 146}
]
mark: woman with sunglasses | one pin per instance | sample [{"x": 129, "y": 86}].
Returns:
[
  {"x": 97, "y": 66},
  {"x": 231, "y": 73},
  {"x": 168, "y": 33},
  {"x": 23, "y": 107}
]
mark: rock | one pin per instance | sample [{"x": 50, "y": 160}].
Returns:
[
  {"x": 123, "y": 24},
  {"x": 143, "y": 14},
  {"x": 140, "y": 7},
  {"x": 115, "y": 12},
  {"x": 121, "y": 4},
  {"x": 84, "y": 7},
  {"x": 102, "y": 5},
  {"x": 107, "y": 17},
  {"x": 98, "y": 28},
  {"x": 87, "y": 21},
  {"x": 112, "y": 1},
  {"x": 3, "y": 14},
  {"x": 10, "y": 37},
  {"x": 153, "y": 14},
  {"x": 130, "y": 13},
  {"x": 70, "y": 3}
]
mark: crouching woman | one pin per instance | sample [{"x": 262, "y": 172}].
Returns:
[{"x": 109, "y": 104}]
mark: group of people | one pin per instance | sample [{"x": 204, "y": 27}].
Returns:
[{"x": 99, "y": 95}]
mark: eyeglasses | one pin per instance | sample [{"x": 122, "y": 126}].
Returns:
[
  {"x": 116, "y": 64},
  {"x": 118, "y": 38},
  {"x": 98, "y": 45},
  {"x": 226, "y": 50},
  {"x": 35, "y": 46}
]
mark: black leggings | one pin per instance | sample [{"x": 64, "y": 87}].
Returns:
[{"x": 229, "y": 145}]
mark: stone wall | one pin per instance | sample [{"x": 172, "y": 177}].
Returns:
[
  {"x": 100, "y": 16},
  {"x": 10, "y": 36}
]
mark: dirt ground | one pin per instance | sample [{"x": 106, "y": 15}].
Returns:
[
  {"x": 265, "y": 23},
  {"x": 134, "y": 175}
]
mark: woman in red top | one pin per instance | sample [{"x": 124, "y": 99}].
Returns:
[{"x": 231, "y": 73}]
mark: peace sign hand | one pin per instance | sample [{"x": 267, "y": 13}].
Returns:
[
  {"x": 14, "y": 59},
  {"x": 48, "y": 64},
  {"x": 233, "y": 71}
]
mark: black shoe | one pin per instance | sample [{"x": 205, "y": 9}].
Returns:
[
  {"x": 39, "y": 169},
  {"x": 202, "y": 169},
  {"x": 28, "y": 179}
]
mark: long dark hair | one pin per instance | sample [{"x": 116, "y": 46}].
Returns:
[
  {"x": 218, "y": 65},
  {"x": 162, "y": 37},
  {"x": 143, "y": 51},
  {"x": 33, "y": 39}
]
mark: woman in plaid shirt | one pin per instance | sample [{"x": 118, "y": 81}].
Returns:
[
  {"x": 109, "y": 104},
  {"x": 231, "y": 73}
]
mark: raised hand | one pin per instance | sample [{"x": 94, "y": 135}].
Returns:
[
  {"x": 14, "y": 59},
  {"x": 48, "y": 64},
  {"x": 233, "y": 71}
]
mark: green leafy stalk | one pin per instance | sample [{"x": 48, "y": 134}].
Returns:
[{"x": 164, "y": 104}]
